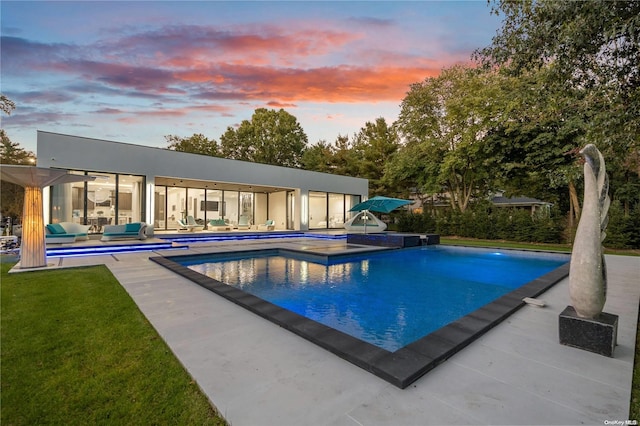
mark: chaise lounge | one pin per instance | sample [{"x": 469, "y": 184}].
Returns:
[
  {"x": 365, "y": 222},
  {"x": 190, "y": 224},
  {"x": 219, "y": 225},
  {"x": 133, "y": 231},
  {"x": 269, "y": 225},
  {"x": 66, "y": 232},
  {"x": 243, "y": 223}
]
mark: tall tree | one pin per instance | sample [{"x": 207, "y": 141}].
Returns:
[
  {"x": 345, "y": 157},
  {"x": 592, "y": 47},
  {"x": 318, "y": 157},
  {"x": 6, "y": 105},
  {"x": 12, "y": 195},
  {"x": 444, "y": 121},
  {"x": 270, "y": 137},
  {"x": 196, "y": 144},
  {"x": 376, "y": 144},
  {"x": 531, "y": 149}
]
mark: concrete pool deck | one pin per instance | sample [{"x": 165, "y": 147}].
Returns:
[{"x": 257, "y": 373}]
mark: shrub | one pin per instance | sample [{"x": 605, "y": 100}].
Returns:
[{"x": 483, "y": 221}]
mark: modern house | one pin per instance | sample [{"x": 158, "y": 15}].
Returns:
[{"x": 159, "y": 186}]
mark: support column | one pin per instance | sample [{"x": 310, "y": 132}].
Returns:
[{"x": 33, "y": 239}]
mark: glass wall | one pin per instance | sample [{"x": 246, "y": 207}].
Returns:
[
  {"x": 196, "y": 206},
  {"x": 246, "y": 206},
  {"x": 176, "y": 206},
  {"x": 349, "y": 202},
  {"x": 160, "y": 207},
  {"x": 330, "y": 210},
  {"x": 214, "y": 208},
  {"x": 336, "y": 210},
  {"x": 109, "y": 199},
  {"x": 317, "y": 209},
  {"x": 231, "y": 208},
  {"x": 101, "y": 201},
  {"x": 129, "y": 199},
  {"x": 68, "y": 202}
]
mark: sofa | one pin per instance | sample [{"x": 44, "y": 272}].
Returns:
[
  {"x": 65, "y": 232},
  {"x": 219, "y": 225},
  {"x": 133, "y": 231}
]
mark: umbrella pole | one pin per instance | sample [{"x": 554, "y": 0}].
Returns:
[{"x": 365, "y": 218}]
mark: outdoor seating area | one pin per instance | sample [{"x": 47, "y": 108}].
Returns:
[{"x": 135, "y": 231}]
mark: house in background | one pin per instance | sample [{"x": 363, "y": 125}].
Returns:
[
  {"x": 534, "y": 205},
  {"x": 441, "y": 201},
  {"x": 159, "y": 186}
]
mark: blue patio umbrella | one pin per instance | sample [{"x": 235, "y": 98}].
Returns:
[{"x": 380, "y": 204}]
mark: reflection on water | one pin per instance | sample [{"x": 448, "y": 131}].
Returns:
[{"x": 389, "y": 299}]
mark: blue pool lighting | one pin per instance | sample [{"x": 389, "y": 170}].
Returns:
[
  {"x": 240, "y": 237},
  {"x": 109, "y": 249}
]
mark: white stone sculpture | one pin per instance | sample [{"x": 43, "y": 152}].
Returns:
[{"x": 587, "y": 272}]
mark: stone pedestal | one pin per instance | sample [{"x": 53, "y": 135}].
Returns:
[{"x": 597, "y": 335}]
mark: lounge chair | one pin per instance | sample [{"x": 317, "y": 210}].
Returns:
[
  {"x": 219, "y": 225},
  {"x": 66, "y": 232},
  {"x": 243, "y": 223},
  {"x": 269, "y": 225},
  {"x": 365, "y": 222},
  {"x": 135, "y": 231},
  {"x": 190, "y": 225}
]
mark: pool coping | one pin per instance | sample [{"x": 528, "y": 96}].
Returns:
[{"x": 400, "y": 368}]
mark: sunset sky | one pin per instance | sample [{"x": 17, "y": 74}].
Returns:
[{"x": 137, "y": 71}]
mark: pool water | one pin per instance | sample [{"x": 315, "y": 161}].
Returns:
[{"x": 389, "y": 298}]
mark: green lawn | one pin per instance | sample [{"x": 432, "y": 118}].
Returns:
[
  {"x": 76, "y": 350},
  {"x": 528, "y": 246}
]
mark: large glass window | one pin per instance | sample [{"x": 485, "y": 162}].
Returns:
[
  {"x": 195, "y": 205},
  {"x": 349, "y": 202},
  {"x": 176, "y": 206},
  {"x": 246, "y": 206},
  {"x": 101, "y": 201},
  {"x": 336, "y": 210},
  {"x": 160, "y": 207},
  {"x": 129, "y": 201},
  {"x": 68, "y": 202},
  {"x": 214, "y": 207},
  {"x": 231, "y": 210},
  {"x": 109, "y": 199},
  {"x": 317, "y": 210}
]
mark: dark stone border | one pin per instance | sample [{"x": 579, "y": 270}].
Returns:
[{"x": 400, "y": 368}]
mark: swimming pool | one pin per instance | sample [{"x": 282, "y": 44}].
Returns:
[
  {"x": 388, "y": 299},
  {"x": 396, "y": 313}
]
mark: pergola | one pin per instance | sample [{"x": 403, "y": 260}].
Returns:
[{"x": 33, "y": 252}]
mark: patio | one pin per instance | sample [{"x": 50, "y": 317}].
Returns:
[{"x": 257, "y": 373}]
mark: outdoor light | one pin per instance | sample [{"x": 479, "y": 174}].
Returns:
[{"x": 304, "y": 209}]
